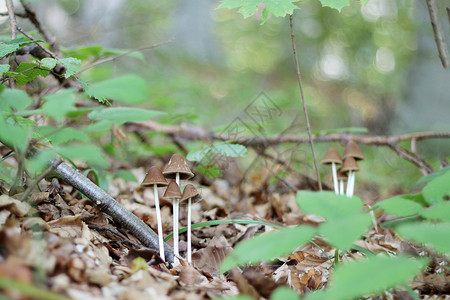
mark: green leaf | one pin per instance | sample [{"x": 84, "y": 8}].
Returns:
[
  {"x": 71, "y": 64},
  {"x": 120, "y": 115},
  {"x": 372, "y": 275},
  {"x": 237, "y": 297},
  {"x": 15, "y": 99},
  {"x": 12, "y": 45},
  {"x": 437, "y": 189},
  {"x": 126, "y": 175},
  {"x": 13, "y": 134},
  {"x": 284, "y": 293},
  {"x": 198, "y": 155},
  {"x": 434, "y": 235},
  {"x": 63, "y": 135},
  {"x": 431, "y": 176},
  {"x": 4, "y": 68},
  {"x": 38, "y": 163},
  {"x": 279, "y": 8},
  {"x": 267, "y": 246},
  {"x": 129, "y": 89},
  {"x": 229, "y": 150},
  {"x": 48, "y": 63},
  {"x": 342, "y": 232},
  {"x": 59, "y": 104},
  {"x": 400, "y": 206},
  {"x": 210, "y": 171},
  {"x": 29, "y": 290},
  {"x": 439, "y": 212},
  {"x": 328, "y": 204},
  {"x": 336, "y": 4},
  {"x": 27, "y": 76},
  {"x": 89, "y": 153}
]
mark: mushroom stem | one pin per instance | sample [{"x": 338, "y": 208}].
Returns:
[
  {"x": 341, "y": 187},
  {"x": 158, "y": 218},
  {"x": 352, "y": 179},
  {"x": 335, "y": 180},
  {"x": 177, "y": 179},
  {"x": 349, "y": 183},
  {"x": 189, "y": 246},
  {"x": 176, "y": 203}
]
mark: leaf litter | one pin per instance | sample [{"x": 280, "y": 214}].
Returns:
[{"x": 63, "y": 246}]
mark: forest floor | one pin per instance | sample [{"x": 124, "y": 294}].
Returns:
[{"x": 61, "y": 245}]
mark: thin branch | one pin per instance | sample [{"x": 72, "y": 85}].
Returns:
[
  {"x": 17, "y": 14},
  {"x": 12, "y": 18},
  {"x": 31, "y": 15},
  {"x": 305, "y": 110},
  {"x": 20, "y": 73},
  {"x": 423, "y": 165},
  {"x": 53, "y": 55},
  {"x": 112, "y": 58},
  {"x": 438, "y": 33}
]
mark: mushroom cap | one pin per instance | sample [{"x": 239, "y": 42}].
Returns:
[
  {"x": 341, "y": 175},
  {"x": 352, "y": 150},
  {"x": 190, "y": 192},
  {"x": 332, "y": 156},
  {"x": 349, "y": 165},
  {"x": 177, "y": 164},
  {"x": 154, "y": 176},
  {"x": 172, "y": 191}
]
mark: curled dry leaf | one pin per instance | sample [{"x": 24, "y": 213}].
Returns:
[{"x": 14, "y": 206}]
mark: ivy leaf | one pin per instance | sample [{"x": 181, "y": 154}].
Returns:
[{"x": 279, "y": 8}]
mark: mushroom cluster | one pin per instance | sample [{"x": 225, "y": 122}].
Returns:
[
  {"x": 348, "y": 170},
  {"x": 175, "y": 170}
]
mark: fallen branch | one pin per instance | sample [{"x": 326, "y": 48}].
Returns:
[
  {"x": 192, "y": 132},
  {"x": 438, "y": 33},
  {"x": 107, "y": 204}
]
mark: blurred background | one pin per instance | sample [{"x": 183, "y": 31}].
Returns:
[{"x": 375, "y": 67}]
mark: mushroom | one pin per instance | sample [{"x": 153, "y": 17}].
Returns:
[
  {"x": 351, "y": 167},
  {"x": 352, "y": 150},
  {"x": 155, "y": 177},
  {"x": 191, "y": 194},
  {"x": 341, "y": 176},
  {"x": 177, "y": 169},
  {"x": 332, "y": 157},
  {"x": 173, "y": 192}
]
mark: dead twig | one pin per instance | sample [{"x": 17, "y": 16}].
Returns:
[
  {"x": 112, "y": 58},
  {"x": 12, "y": 18},
  {"x": 438, "y": 34},
  {"x": 305, "y": 110},
  {"x": 50, "y": 53},
  {"x": 423, "y": 165}
]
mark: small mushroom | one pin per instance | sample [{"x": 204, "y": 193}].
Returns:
[
  {"x": 351, "y": 167},
  {"x": 341, "y": 176},
  {"x": 177, "y": 169},
  {"x": 191, "y": 194},
  {"x": 173, "y": 192},
  {"x": 156, "y": 179},
  {"x": 352, "y": 150},
  {"x": 332, "y": 157}
]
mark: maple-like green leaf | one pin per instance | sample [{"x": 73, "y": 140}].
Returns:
[{"x": 278, "y": 8}]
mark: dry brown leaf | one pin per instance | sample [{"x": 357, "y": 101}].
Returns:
[
  {"x": 209, "y": 259},
  {"x": 14, "y": 206},
  {"x": 243, "y": 285}
]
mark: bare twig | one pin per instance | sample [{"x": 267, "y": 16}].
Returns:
[
  {"x": 438, "y": 34},
  {"x": 17, "y": 14},
  {"x": 12, "y": 18},
  {"x": 15, "y": 75},
  {"x": 50, "y": 53},
  {"x": 113, "y": 58},
  {"x": 423, "y": 165},
  {"x": 305, "y": 110},
  {"x": 31, "y": 15}
]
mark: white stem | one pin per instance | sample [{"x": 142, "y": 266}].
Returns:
[
  {"x": 158, "y": 218},
  {"x": 349, "y": 183},
  {"x": 341, "y": 183},
  {"x": 175, "y": 229},
  {"x": 335, "y": 180},
  {"x": 189, "y": 249},
  {"x": 353, "y": 183},
  {"x": 177, "y": 178}
]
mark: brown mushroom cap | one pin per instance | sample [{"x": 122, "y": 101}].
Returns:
[
  {"x": 352, "y": 150},
  {"x": 177, "y": 164},
  {"x": 172, "y": 191},
  {"x": 349, "y": 165},
  {"x": 190, "y": 192},
  {"x": 154, "y": 176},
  {"x": 341, "y": 175},
  {"x": 332, "y": 156}
]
